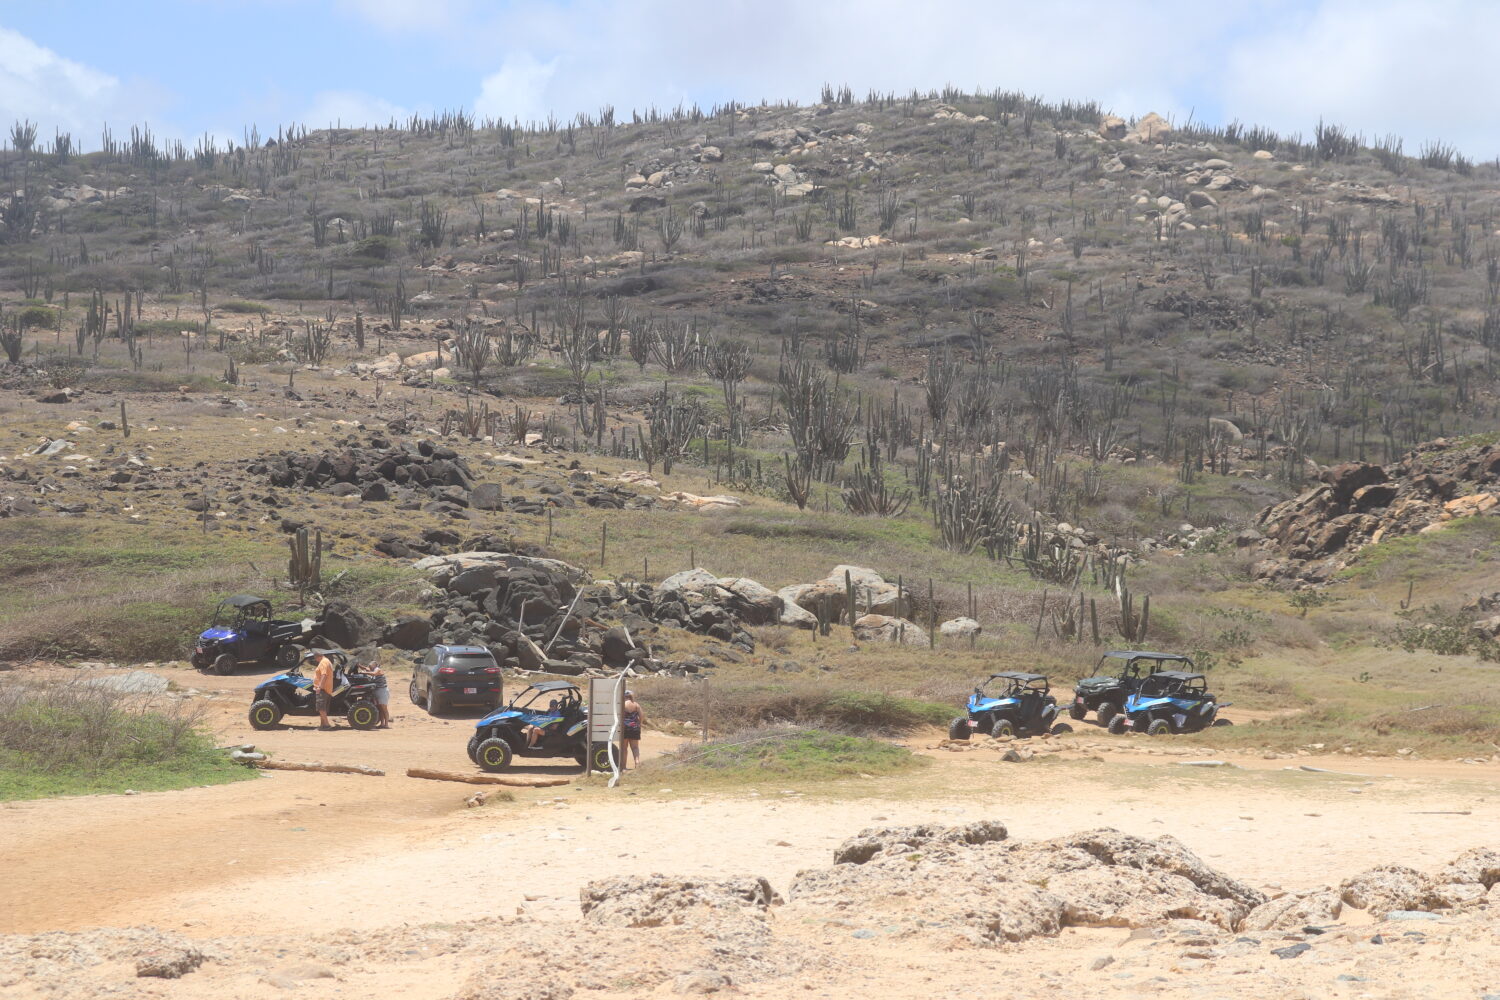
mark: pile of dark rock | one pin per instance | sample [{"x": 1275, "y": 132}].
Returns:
[
  {"x": 1309, "y": 538},
  {"x": 539, "y": 614},
  {"x": 431, "y": 477}
]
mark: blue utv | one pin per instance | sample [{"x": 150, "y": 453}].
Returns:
[
  {"x": 242, "y": 629},
  {"x": 1172, "y": 701},
  {"x": 1117, "y": 677},
  {"x": 554, "y": 709},
  {"x": 291, "y": 693},
  {"x": 1009, "y": 704}
]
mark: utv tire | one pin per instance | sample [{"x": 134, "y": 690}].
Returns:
[
  {"x": 434, "y": 700},
  {"x": 224, "y": 664},
  {"x": 1118, "y": 724},
  {"x": 1221, "y": 722},
  {"x": 1060, "y": 728},
  {"x": 958, "y": 729},
  {"x": 265, "y": 714},
  {"x": 1077, "y": 711},
  {"x": 199, "y": 662},
  {"x": 600, "y": 756},
  {"x": 1002, "y": 727},
  {"x": 493, "y": 754},
  {"x": 473, "y": 747},
  {"x": 1106, "y": 712},
  {"x": 288, "y": 656},
  {"x": 1159, "y": 727},
  {"x": 363, "y": 715}
]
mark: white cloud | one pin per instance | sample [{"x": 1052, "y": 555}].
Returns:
[
  {"x": 351, "y": 109},
  {"x": 57, "y": 93},
  {"x": 519, "y": 89}
]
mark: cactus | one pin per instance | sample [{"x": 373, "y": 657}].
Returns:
[
  {"x": 304, "y": 569},
  {"x": 1133, "y": 627}
]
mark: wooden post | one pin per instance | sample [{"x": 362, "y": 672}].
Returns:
[
  {"x": 931, "y": 617},
  {"x": 603, "y": 541},
  {"x": 124, "y": 420},
  {"x": 1041, "y": 613},
  {"x": 549, "y": 525}
]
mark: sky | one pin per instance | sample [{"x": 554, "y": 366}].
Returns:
[{"x": 1417, "y": 69}]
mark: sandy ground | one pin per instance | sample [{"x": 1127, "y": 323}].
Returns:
[{"x": 302, "y": 853}]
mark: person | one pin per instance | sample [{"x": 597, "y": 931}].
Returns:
[
  {"x": 382, "y": 691},
  {"x": 631, "y": 721},
  {"x": 322, "y": 686},
  {"x": 534, "y": 734}
]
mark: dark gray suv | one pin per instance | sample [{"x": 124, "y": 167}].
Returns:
[{"x": 450, "y": 676}]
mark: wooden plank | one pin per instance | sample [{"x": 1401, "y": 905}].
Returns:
[
  {"x": 292, "y": 765},
  {"x": 513, "y": 780}
]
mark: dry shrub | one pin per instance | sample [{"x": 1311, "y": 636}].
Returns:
[
  {"x": 81, "y": 726},
  {"x": 735, "y": 708}
]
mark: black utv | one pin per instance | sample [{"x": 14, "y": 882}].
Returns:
[{"x": 1117, "y": 677}]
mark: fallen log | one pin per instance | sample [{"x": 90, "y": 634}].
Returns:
[
  {"x": 514, "y": 780},
  {"x": 292, "y": 765}
]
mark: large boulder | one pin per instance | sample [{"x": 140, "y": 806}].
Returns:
[
  {"x": 884, "y": 628},
  {"x": 407, "y": 632},
  {"x": 1385, "y": 888},
  {"x": 749, "y": 601},
  {"x": 1113, "y": 127},
  {"x": 697, "y": 580},
  {"x": 346, "y": 627},
  {"x": 792, "y": 611},
  {"x": 1295, "y": 911},
  {"x": 960, "y": 628},
  {"x": 660, "y": 900},
  {"x": 889, "y": 840}
]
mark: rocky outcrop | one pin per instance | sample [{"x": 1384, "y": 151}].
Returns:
[
  {"x": 1314, "y": 535},
  {"x": 660, "y": 901}
]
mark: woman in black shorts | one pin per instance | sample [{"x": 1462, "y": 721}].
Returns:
[{"x": 630, "y": 728}]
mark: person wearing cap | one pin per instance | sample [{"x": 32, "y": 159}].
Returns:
[
  {"x": 322, "y": 686},
  {"x": 631, "y": 721}
]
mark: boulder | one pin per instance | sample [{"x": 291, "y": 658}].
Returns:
[
  {"x": 486, "y": 496},
  {"x": 169, "y": 963},
  {"x": 792, "y": 611},
  {"x": 1294, "y": 912},
  {"x": 407, "y": 632},
  {"x": 960, "y": 628},
  {"x": 698, "y": 580},
  {"x": 1385, "y": 888},
  {"x": 1113, "y": 127},
  {"x": 345, "y": 627},
  {"x": 1468, "y": 506},
  {"x": 1152, "y": 129},
  {"x": 884, "y": 628},
  {"x": 894, "y": 840},
  {"x": 749, "y": 601},
  {"x": 1201, "y": 199},
  {"x": 1480, "y": 866},
  {"x": 661, "y": 901}
]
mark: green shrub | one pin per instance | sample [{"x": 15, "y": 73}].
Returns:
[
  {"x": 244, "y": 307},
  {"x": 793, "y": 752}
]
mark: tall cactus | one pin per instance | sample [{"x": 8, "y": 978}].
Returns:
[
  {"x": 305, "y": 568},
  {"x": 1133, "y": 627}
]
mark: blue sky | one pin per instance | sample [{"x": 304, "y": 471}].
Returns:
[{"x": 1416, "y": 68}]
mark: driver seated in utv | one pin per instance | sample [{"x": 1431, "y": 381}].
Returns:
[
  {"x": 291, "y": 693},
  {"x": 1009, "y": 704},
  {"x": 548, "y": 719},
  {"x": 1172, "y": 701}
]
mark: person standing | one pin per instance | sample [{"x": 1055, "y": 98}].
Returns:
[
  {"x": 323, "y": 686},
  {"x": 633, "y": 717},
  {"x": 382, "y": 691}
]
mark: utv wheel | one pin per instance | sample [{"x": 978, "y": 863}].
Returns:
[
  {"x": 411, "y": 692},
  {"x": 265, "y": 714},
  {"x": 1002, "y": 727},
  {"x": 958, "y": 729},
  {"x": 1221, "y": 722},
  {"x": 600, "y": 755},
  {"x": 493, "y": 754},
  {"x": 1106, "y": 712},
  {"x": 1060, "y": 728},
  {"x": 434, "y": 700},
  {"x": 199, "y": 661},
  {"x": 474, "y": 742},
  {"x": 224, "y": 664},
  {"x": 1077, "y": 711},
  {"x": 364, "y": 715},
  {"x": 1118, "y": 724},
  {"x": 288, "y": 656},
  {"x": 1159, "y": 727}
]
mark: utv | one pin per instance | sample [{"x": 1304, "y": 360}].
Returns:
[
  {"x": 243, "y": 629},
  {"x": 292, "y": 694},
  {"x": 554, "y": 707},
  {"x": 1172, "y": 701},
  {"x": 1106, "y": 692},
  {"x": 1018, "y": 705}
]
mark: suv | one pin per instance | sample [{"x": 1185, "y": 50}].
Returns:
[
  {"x": 1106, "y": 693},
  {"x": 450, "y": 676}
]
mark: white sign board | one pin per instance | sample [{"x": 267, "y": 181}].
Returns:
[{"x": 606, "y": 705}]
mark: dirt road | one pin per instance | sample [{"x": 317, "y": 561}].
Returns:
[{"x": 296, "y": 850}]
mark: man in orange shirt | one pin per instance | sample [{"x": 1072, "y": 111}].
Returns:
[{"x": 322, "y": 687}]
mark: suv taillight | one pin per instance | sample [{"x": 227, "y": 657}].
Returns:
[
  {"x": 492, "y": 670},
  {"x": 445, "y": 670}
]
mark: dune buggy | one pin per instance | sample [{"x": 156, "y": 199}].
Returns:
[
  {"x": 555, "y": 709},
  {"x": 1105, "y": 693},
  {"x": 291, "y": 693},
  {"x": 1009, "y": 704},
  {"x": 242, "y": 629},
  {"x": 1172, "y": 701}
]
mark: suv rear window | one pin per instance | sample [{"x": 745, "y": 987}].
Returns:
[{"x": 469, "y": 660}]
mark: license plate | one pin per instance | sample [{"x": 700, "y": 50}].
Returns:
[{"x": 471, "y": 690}]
